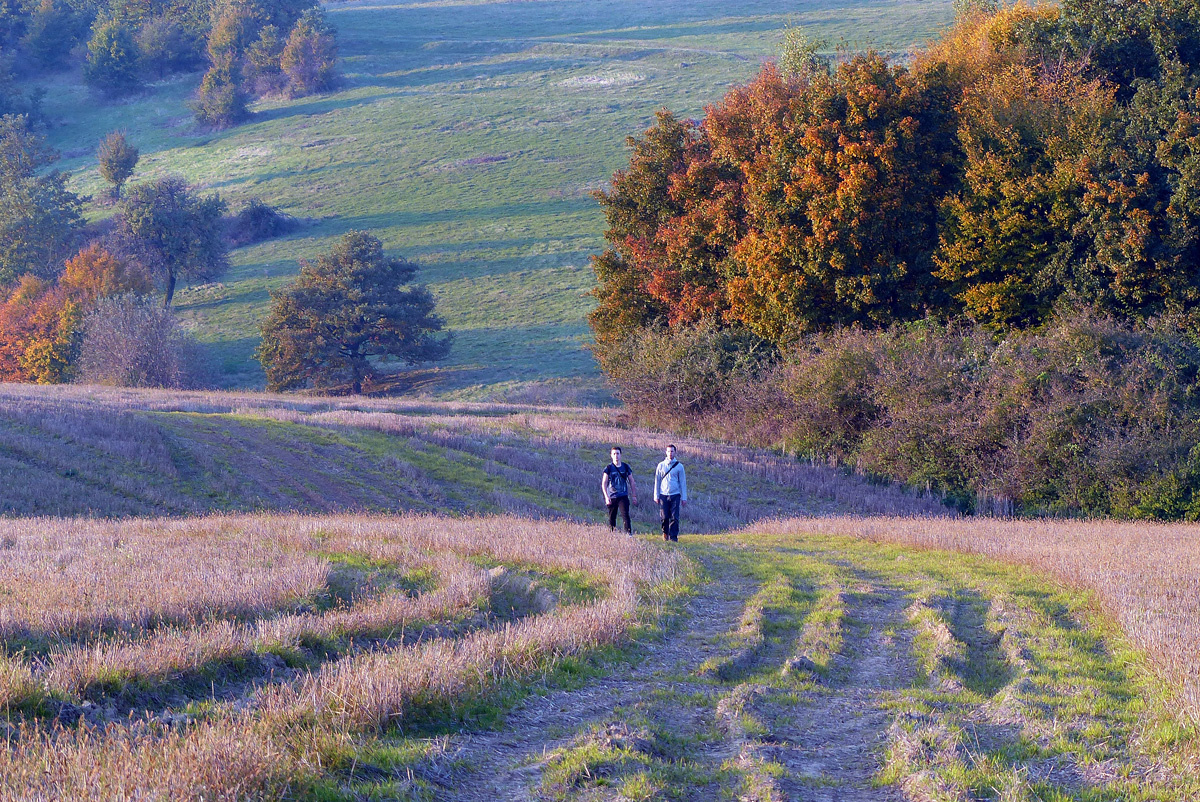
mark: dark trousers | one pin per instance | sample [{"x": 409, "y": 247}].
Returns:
[
  {"x": 669, "y": 512},
  {"x": 619, "y": 503}
]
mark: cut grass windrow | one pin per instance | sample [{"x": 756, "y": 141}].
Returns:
[
  {"x": 279, "y": 738},
  {"x": 168, "y": 657}
]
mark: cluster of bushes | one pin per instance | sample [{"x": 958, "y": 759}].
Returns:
[
  {"x": 251, "y": 47},
  {"x": 257, "y": 49},
  {"x": 99, "y": 322},
  {"x": 1085, "y": 415},
  {"x": 864, "y": 221},
  {"x": 69, "y": 293}
]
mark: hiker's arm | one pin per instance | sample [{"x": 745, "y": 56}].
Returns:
[
  {"x": 657, "y": 482},
  {"x": 682, "y": 484},
  {"x": 632, "y": 489},
  {"x": 604, "y": 486}
]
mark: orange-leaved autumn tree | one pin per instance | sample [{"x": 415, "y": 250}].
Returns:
[
  {"x": 1032, "y": 159},
  {"x": 801, "y": 201},
  {"x": 842, "y": 170},
  {"x": 41, "y": 322}
]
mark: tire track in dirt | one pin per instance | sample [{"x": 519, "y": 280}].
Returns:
[
  {"x": 503, "y": 766},
  {"x": 830, "y": 744}
]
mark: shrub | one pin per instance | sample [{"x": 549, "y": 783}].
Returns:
[
  {"x": 133, "y": 341},
  {"x": 117, "y": 159},
  {"x": 678, "y": 375},
  {"x": 257, "y": 221},
  {"x": 166, "y": 46},
  {"x": 310, "y": 56},
  {"x": 112, "y": 61},
  {"x": 1087, "y": 415},
  {"x": 220, "y": 101},
  {"x": 261, "y": 68}
]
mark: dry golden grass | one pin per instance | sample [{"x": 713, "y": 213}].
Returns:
[
  {"x": 77, "y": 669},
  {"x": 379, "y": 688},
  {"x": 283, "y": 731},
  {"x": 219, "y": 761},
  {"x": 70, "y": 578},
  {"x": 1146, "y": 575}
]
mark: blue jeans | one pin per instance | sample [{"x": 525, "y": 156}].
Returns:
[{"x": 669, "y": 512}]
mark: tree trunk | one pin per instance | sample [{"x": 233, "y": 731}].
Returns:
[
  {"x": 356, "y": 361},
  {"x": 170, "y": 288}
]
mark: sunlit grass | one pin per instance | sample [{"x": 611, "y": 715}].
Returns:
[{"x": 467, "y": 136}]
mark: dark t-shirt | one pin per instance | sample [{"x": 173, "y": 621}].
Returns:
[{"x": 618, "y": 479}]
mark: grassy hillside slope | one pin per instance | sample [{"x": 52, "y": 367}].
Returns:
[
  {"x": 80, "y": 451},
  {"x": 468, "y": 135}
]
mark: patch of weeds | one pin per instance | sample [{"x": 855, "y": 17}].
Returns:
[
  {"x": 628, "y": 759},
  {"x": 642, "y": 786}
]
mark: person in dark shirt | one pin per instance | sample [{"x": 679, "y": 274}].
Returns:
[{"x": 618, "y": 488}]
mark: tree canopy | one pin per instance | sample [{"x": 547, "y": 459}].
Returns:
[
  {"x": 180, "y": 232},
  {"x": 1033, "y": 157},
  {"x": 39, "y": 216},
  {"x": 348, "y": 308}
]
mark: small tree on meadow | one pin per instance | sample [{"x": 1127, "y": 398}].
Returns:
[
  {"x": 261, "y": 69},
  {"x": 310, "y": 56},
  {"x": 220, "y": 101},
  {"x": 180, "y": 232},
  {"x": 348, "y": 307},
  {"x": 117, "y": 160},
  {"x": 112, "y": 62}
]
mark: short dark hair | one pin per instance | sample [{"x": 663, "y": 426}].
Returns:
[
  {"x": 616, "y": 448},
  {"x": 672, "y": 445}
]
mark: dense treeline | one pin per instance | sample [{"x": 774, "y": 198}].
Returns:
[
  {"x": 1084, "y": 415},
  {"x": 1017, "y": 210},
  {"x": 1032, "y": 155},
  {"x": 251, "y": 48}
]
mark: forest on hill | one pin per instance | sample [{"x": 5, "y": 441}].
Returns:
[{"x": 974, "y": 273}]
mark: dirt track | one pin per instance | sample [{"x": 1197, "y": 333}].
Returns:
[{"x": 829, "y": 743}]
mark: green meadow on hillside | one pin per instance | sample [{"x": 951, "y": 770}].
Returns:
[{"x": 467, "y": 136}]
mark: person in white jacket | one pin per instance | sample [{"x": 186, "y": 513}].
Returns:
[{"x": 670, "y": 493}]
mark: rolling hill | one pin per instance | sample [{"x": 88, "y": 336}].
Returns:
[{"x": 468, "y": 136}]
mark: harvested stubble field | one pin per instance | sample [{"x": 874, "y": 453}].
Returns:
[
  {"x": 91, "y": 451},
  {"x": 361, "y": 643},
  {"x": 256, "y": 679}
]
